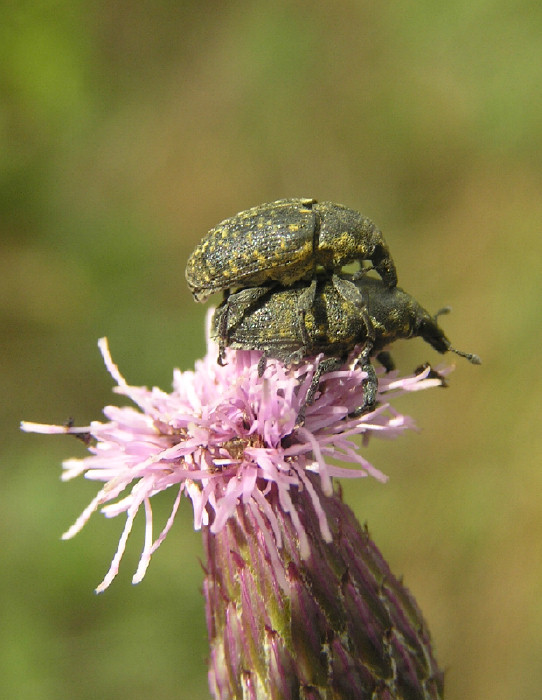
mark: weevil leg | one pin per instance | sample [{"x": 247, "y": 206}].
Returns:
[
  {"x": 386, "y": 360},
  {"x": 262, "y": 363},
  {"x": 362, "y": 272},
  {"x": 370, "y": 383},
  {"x": 305, "y": 302},
  {"x": 370, "y": 388},
  {"x": 223, "y": 328},
  {"x": 328, "y": 364},
  {"x": 433, "y": 374},
  {"x": 244, "y": 301},
  {"x": 348, "y": 291},
  {"x": 233, "y": 309},
  {"x": 370, "y": 334},
  {"x": 383, "y": 263}
]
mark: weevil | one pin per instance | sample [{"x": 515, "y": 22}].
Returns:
[
  {"x": 365, "y": 313},
  {"x": 283, "y": 242}
]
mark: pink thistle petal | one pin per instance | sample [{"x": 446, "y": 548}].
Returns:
[{"x": 225, "y": 437}]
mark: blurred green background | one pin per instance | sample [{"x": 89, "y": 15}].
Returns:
[{"x": 126, "y": 131}]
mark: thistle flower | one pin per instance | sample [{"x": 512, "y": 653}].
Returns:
[{"x": 300, "y": 603}]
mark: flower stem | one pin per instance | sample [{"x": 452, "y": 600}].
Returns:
[{"x": 334, "y": 625}]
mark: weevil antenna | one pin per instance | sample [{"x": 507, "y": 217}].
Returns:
[
  {"x": 442, "y": 312},
  {"x": 471, "y": 357}
]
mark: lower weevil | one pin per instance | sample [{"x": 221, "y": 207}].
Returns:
[{"x": 365, "y": 312}]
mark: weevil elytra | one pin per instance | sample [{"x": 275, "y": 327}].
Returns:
[{"x": 283, "y": 242}]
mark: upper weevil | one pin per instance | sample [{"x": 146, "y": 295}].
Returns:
[
  {"x": 365, "y": 313},
  {"x": 283, "y": 242}
]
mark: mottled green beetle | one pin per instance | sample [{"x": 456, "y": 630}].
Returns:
[
  {"x": 366, "y": 312},
  {"x": 283, "y": 242}
]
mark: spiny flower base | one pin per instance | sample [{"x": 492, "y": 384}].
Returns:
[{"x": 335, "y": 625}]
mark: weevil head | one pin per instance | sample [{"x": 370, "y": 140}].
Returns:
[
  {"x": 395, "y": 314},
  {"x": 428, "y": 329}
]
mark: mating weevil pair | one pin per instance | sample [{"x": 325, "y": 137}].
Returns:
[{"x": 285, "y": 259}]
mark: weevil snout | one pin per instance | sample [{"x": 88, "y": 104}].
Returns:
[{"x": 432, "y": 333}]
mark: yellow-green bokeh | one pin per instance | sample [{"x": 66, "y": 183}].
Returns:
[{"x": 126, "y": 131}]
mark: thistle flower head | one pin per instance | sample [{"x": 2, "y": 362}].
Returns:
[{"x": 225, "y": 437}]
